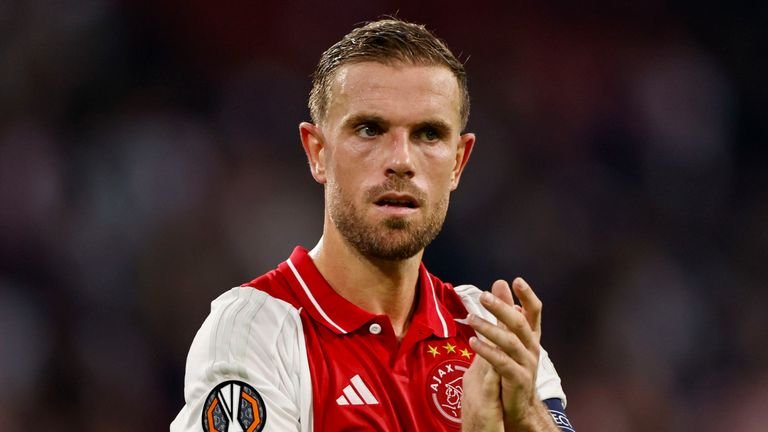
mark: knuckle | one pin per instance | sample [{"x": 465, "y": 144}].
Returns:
[
  {"x": 535, "y": 352},
  {"x": 520, "y": 322},
  {"x": 512, "y": 345},
  {"x": 533, "y": 359},
  {"x": 479, "y": 323},
  {"x": 509, "y": 371},
  {"x": 499, "y": 356},
  {"x": 537, "y": 304}
]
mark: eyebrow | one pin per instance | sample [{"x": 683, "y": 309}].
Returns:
[
  {"x": 442, "y": 127},
  {"x": 359, "y": 119}
]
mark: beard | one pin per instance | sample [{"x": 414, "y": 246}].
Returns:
[{"x": 394, "y": 238}]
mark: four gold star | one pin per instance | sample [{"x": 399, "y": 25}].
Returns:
[
  {"x": 449, "y": 348},
  {"x": 465, "y": 353}
]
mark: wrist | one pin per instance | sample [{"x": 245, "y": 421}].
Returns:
[{"x": 537, "y": 419}]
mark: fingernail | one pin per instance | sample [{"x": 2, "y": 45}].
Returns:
[
  {"x": 473, "y": 340},
  {"x": 487, "y": 298}
]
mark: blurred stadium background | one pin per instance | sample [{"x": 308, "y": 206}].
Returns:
[{"x": 149, "y": 160}]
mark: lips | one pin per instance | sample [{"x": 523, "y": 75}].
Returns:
[{"x": 397, "y": 200}]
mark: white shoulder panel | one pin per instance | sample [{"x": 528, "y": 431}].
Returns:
[
  {"x": 548, "y": 385},
  {"x": 257, "y": 339}
]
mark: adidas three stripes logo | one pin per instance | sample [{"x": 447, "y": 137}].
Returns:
[{"x": 356, "y": 393}]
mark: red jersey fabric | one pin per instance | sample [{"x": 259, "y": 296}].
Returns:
[
  {"x": 362, "y": 377},
  {"x": 285, "y": 352}
]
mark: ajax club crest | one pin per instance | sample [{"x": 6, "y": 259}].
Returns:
[{"x": 445, "y": 382}]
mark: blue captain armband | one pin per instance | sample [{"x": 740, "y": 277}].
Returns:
[{"x": 557, "y": 411}]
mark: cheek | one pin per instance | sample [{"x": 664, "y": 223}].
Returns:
[
  {"x": 440, "y": 189},
  {"x": 346, "y": 173},
  {"x": 346, "y": 180},
  {"x": 440, "y": 168},
  {"x": 357, "y": 170}
]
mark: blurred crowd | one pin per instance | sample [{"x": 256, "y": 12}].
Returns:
[{"x": 149, "y": 160}]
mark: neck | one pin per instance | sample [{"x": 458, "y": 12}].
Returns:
[{"x": 377, "y": 286}]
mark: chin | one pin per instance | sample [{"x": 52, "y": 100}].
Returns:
[{"x": 397, "y": 223}]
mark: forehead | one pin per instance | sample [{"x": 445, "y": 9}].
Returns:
[{"x": 397, "y": 92}]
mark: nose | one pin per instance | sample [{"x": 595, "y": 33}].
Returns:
[{"x": 400, "y": 159}]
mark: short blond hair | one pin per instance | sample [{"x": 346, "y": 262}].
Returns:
[{"x": 384, "y": 41}]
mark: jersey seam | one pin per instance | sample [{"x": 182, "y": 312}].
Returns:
[
  {"x": 231, "y": 342},
  {"x": 274, "y": 353},
  {"x": 215, "y": 336}
]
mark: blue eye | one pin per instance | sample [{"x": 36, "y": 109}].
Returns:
[
  {"x": 367, "y": 131},
  {"x": 430, "y": 135}
]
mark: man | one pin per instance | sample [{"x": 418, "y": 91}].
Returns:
[{"x": 356, "y": 334}]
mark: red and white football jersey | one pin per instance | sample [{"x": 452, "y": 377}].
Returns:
[{"x": 285, "y": 352}]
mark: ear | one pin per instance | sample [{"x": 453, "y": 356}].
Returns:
[
  {"x": 314, "y": 146},
  {"x": 466, "y": 144}
]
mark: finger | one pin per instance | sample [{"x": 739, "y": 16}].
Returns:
[
  {"x": 510, "y": 317},
  {"x": 530, "y": 302},
  {"x": 481, "y": 388},
  {"x": 507, "y": 341},
  {"x": 485, "y": 373},
  {"x": 501, "y": 289},
  {"x": 501, "y": 362}
]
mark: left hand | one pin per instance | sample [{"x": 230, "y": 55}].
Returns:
[
  {"x": 481, "y": 407},
  {"x": 512, "y": 348}
]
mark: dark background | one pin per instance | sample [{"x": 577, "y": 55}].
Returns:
[{"x": 150, "y": 160}]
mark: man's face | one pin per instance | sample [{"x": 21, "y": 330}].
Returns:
[{"x": 390, "y": 154}]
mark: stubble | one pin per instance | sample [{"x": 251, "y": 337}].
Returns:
[{"x": 394, "y": 238}]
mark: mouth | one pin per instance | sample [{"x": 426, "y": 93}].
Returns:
[{"x": 397, "y": 201}]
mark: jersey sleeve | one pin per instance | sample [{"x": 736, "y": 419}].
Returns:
[
  {"x": 548, "y": 384},
  {"x": 247, "y": 364}
]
